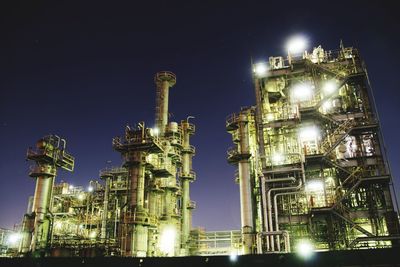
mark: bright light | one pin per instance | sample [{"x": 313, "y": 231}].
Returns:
[
  {"x": 167, "y": 241},
  {"x": 308, "y": 133},
  {"x": 296, "y": 44},
  {"x": 93, "y": 234},
  {"x": 155, "y": 131},
  {"x": 90, "y": 188},
  {"x": 270, "y": 117},
  {"x": 81, "y": 196},
  {"x": 329, "y": 87},
  {"x": 314, "y": 186},
  {"x": 71, "y": 187},
  {"x": 302, "y": 92},
  {"x": 278, "y": 158},
  {"x": 13, "y": 239},
  {"x": 233, "y": 257},
  {"x": 305, "y": 249},
  {"x": 260, "y": 69}
]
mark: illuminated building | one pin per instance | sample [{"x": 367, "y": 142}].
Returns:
[{"x": 310, "y": 156}]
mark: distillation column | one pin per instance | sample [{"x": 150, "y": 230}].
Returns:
[
  {"x": 187, "y": 175},
  {"x": 246, "y": 206},
  {"x": 48, "y": 156},
  {"x": 164, "y": 80}
]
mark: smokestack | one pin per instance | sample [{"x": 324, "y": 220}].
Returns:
[{"x": 164, "y": 80}]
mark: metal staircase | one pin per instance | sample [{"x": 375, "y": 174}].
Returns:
[{"x": 334, "y": 139}]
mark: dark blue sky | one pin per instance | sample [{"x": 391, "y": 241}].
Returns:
[{"x": 84, "y": 69}]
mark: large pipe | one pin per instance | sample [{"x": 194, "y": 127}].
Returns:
[
  {"x": 105, "y": 209},
  {"x": 41, "y": 204},
  {"x": 261, "y": 148},
  {"x": 246, "y": 205},
  {"x": 276, "y": 210},
  {"x": 269, "y": 204},
  {"x": 164, "y": 80}
]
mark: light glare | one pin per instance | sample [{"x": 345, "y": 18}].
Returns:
[
  {"x": 233, "y": 257},
  {"x": 329, "y": 87},
  {"x": 260, "y": 69},
  {"x": 314, "y": 186},
  {"x": 302, "y": 92},
  {"x": 309, "y": 133},
  {"x": 167, "y": 241},
  {"x": 13, "y": 239},
  {"x": 305, "y": 249},
  {"x": 297, "y": 44}
]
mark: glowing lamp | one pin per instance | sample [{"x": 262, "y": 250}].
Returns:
[
  {"x": 314, "y": 186},
  {"x": 167, "y": 241},
  {"x": 329, "y": 87},
  {"x": 308, "y": 133},
  {"x": 260, "y": 69},
  {"x": 302, "y": 92},
  {"x": 296, "y": 44},
  {"x": 305, "y": 249},
  {"x": 13, "y": 239}
]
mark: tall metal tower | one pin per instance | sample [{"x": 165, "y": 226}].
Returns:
[
  {"x": 312, "y": 166},
  {"x": 49, "y": 155},
  {"x": 157, "y": 218}
]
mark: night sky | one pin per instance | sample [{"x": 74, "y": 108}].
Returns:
[{"x": 84, "y": 70}]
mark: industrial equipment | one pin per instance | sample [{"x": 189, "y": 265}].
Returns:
[{"x": 311, "y": 164}]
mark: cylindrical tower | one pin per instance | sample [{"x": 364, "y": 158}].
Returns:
[
  {"x": 48, "y": 155},
  {"x": 164, "y": 80},
  {"x": 187, "y": 175},
  {"x": 246, "y": 206}
]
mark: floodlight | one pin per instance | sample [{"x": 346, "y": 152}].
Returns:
[
  {"x": 305, "y": 249},
  {"x": 270, "y": 116},
  {"x": 260, "y": 69},
  {"x": 302, "y": 92},
  {"x": 90, "y": 188},
  {"x": 308, "y": 133},
  {"x": 13, "y": 239},
  {"x": 296, "y": 44},
  {"x": 81, "y": 196},
  {"x": 155, "y": 131},
  {"x": 167, "y": 240},
  {"x": 314, "y": 186},
  {"x": 233, "y": 257},
  {"x": 93, "y": 234},
  {"x": 329, "y": 87}
]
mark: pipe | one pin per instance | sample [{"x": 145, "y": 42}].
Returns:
[
  {"x": 105, "y": 209},
  {"x": 246, "y": 199},
  {"x": 164, "y": 80},
  {"x": 288, "y": 179},
  {"x": 267, "y": 209},
  {"x": 276, "y": 208},
  {"x": 269, "y": 204},
  {"x": 284, "y": 233},
  {"x": 261, "y": 147}
]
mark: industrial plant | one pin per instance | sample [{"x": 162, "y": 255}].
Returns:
[{"x": 311, "y": 170}]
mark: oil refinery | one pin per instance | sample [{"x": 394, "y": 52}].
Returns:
[{"x": 311, "y": 170}]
